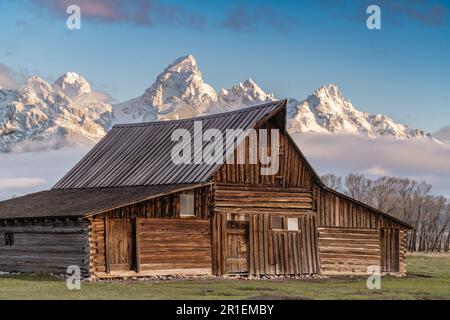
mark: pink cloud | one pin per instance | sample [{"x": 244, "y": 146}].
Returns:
[{"x": 138, "y": 12}]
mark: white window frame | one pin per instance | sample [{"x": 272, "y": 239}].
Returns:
[
  {"x": 292, "y": 224},
  {"x": 187, "y": 204}
]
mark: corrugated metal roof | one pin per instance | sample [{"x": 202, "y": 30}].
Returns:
[
  {"x": 140, "y": 154},
  {"x": 81, "y": 202}
]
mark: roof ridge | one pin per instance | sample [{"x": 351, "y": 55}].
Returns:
[{"x": 164, "y": 122}]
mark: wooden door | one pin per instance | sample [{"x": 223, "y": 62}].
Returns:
[
  {"x": 237, "y": 247},
  {"x": 120, "y": 244},
  {"x": 390, "y": 250}
]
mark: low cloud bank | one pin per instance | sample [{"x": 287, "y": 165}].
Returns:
[
  {"x": 23, "y": 173},
  {"x": 421, "y": 160}
]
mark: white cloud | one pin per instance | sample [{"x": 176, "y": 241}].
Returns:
[
  {"x": 23, "y": 173},
  {"x": 342, "y": 154},
  {"x": 19, "y": 183},
  {"x": 377, "y": 171}
]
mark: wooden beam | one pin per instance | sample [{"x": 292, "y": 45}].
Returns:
[
  {"x": 108, "y": 267},
  {"x": 137, "y": 245}
]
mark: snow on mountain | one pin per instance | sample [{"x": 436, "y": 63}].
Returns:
[
  {"x": 178, "y": 92},
  {"x": 328, "y": 111},
  {"x": 443, "y": 134},
  {"x": 246, "y": 93},
  {"x": 39, "y": 115},
  {"x": 72, "y": 85}
]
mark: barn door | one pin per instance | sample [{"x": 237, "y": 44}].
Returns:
[
  {"x": 390, "y": 250},
  {"x": 237, "y": 247},
  {"x": 120, "y": 244}
]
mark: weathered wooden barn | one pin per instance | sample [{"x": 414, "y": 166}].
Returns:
[{"x": 127, "y": 210}]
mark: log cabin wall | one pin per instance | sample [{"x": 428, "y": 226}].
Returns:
[
  {"x": 348, "y": 251},
  {"x": 353, "y": 237},
  {"x": 50, "y": 245},
  {"x": 269, "y": 250},
  {"x": 334, "y": 210},
  {"x": 245, "y": 198},
  {"x": 165, "y": 243},
  {"x": 393, "y": 247},
  {"x": 403, "y": 234},
  {"x": 178, "y": 246}
]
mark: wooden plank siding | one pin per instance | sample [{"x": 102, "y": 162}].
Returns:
[
  {"x": 164, "y": 242},
  {"x": 50, "y": 245},
  {"x": 334, "y": 210},
  {"x": 294, "y": 170},
  {"x": 242, "y": 198},
  {"x": 403, "y": 234},
  {"x": 390, "y": 244},
  {"x": 348, "y": 251},
  {"x": 362, "y": 236},
  {"x": 171, "y": 245},
  {"x": 272, "y": 252},
  {"x": 166, "y": 206}
]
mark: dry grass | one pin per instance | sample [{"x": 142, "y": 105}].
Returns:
[{"x": 428, "y": 278}]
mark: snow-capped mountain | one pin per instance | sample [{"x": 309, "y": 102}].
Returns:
[
  {"x": 443, "y": 134},
  {"x": 180, "y": 92},
  {"x": 39, "y": 115},
  {"x": 328, "y": 111},
  {"x": 42, "y": 115}
]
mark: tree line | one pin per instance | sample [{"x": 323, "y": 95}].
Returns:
[{"x": 406, "y": 199}]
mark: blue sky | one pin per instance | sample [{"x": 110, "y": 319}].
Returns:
[{"x": 288, "y": 47}]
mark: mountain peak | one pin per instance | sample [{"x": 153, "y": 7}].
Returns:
[
  {"x": 186, "y": 59},
  {"x": 36, "y": 80},
  {"x": 178, "y": 92},
  {"x": 184, "y": 64},
  {"x": 329, "y": 91},
  {"x": 249, "y": 83},
  {"x": 72, "y": 85},
  {"x": 36, "y": 87}
]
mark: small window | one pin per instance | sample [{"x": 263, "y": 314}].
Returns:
[
  {"x": 9, "y": 238},
  {"x": 277, "y": 223},
  {"x": 292, "y": 224},
  {"x": 187, "y": 204}
]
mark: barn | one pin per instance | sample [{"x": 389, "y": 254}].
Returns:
[{"x": 128, "y": 210}]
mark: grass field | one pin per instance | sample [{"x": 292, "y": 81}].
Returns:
[{"x": 428, "y": 278}]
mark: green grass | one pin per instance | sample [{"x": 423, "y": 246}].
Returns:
[{"x": 428, "y": 278}]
